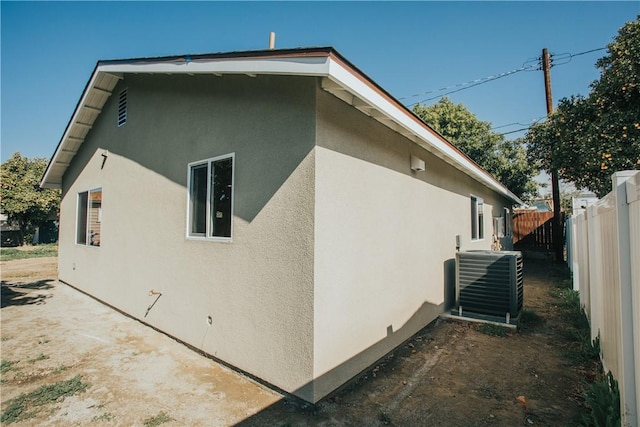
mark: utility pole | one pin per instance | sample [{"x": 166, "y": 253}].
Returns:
[{"x": 558, "y": 242}]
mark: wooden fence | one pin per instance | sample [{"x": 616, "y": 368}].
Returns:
[
  {"x": 533, "y": 230},
  {"x": 604, "y": 256}
]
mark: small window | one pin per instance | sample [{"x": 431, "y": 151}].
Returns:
[
  {"x": 89, "y": 221},
  {"x": 498, "y": 227},
  {"x": 477, "y": 218},
  {"x": 502, "y": 224},
  {"x": 507, "y": 222},
  {"x": 122, "y": 108},
  {"x": 210, "y": 209}
]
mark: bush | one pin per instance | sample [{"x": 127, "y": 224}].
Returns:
[
  {"x": 44, "y": 250},
  {"x": 603, "y": 400}
]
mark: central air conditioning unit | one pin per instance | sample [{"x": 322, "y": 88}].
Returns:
[{"x": 489, "y": 285}]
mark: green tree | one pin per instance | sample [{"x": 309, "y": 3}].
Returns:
[
  {"x": 589, "y": 138},
  {"x": 505, "y": 160},
  {"x": 21, "y": 198}
]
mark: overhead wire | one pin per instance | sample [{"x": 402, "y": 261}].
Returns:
[
  {"x": 465, "y": 85},
  {"x": 514, "y": 123},
  {"x": 587, "y": 51},
  {"x": 531, "y": 64},
  {"x": 567, "y": 57},
  {"x": 515, "y": 131},
  {"x": 526, "y": 126}
]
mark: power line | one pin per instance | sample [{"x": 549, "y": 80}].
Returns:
[
  {"x": 531, "y": 64},
  {"x": 534, "y": 121},
  {"x": 515, "y": 131},
  {"x": 588, "y": 51},
  {"x": 465, "y": 85},
  {"x": 567, "y": 57},
  {"x": 526, "y": 127}
]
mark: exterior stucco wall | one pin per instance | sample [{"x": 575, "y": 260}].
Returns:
[
  {"x": 340, "y": 252},
  {"x": 385, "y": 239},
  {"x": 258, "y": 289}
]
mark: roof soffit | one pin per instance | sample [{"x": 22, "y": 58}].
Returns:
[
  {"x": 358, "y": 91},
  {"x": 340, "y": 78}
]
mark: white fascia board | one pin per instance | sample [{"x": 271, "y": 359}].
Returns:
[
  {"x": 45, "y": 183},
  {"x": 364, "y": 92},
  {"x": 302, "y": 66}
]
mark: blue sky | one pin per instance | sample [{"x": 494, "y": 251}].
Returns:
[{"x": 49, "y": 49}]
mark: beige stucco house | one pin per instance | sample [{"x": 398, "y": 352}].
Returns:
[{"x": 277, "y": 210}]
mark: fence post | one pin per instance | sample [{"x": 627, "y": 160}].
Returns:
[
  {"x": 594, "y": 254},
  {"x": 627, "y": 380},
  {"x": 579, "y": 258},
  {"x": 584, "y": 278},
  {"x": 633, "y": 200},
  {"x": 569, "y": 231}
]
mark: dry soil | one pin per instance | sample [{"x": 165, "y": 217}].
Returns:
[{"x": 449, "y": 374}]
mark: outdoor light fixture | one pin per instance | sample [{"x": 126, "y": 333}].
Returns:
[{"x": 417, "y": 164}]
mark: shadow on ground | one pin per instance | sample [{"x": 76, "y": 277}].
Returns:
[
  {"x": 24, "y": 293},
  {"x": 462, "y": 374}
]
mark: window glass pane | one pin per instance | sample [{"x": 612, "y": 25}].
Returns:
[
  {"x": 95, "y": 217},
  {"x": 474, "y": 218},
  {"x": 198, "y": 200},
  {"x": 480, "y": 219},
  {"x": 498, "y": 226},
  {"x": 81, "y": 224},
  {"x": 221, "y": 182}
]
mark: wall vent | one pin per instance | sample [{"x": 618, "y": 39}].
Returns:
[
  {"x": 489, "y": 283},
  {"x": 122, "y": 108}
]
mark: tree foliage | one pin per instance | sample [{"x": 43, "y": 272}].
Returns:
[
  {"x": 21, "y": 198},
  {"x": 589, "y": 138},
  {"x": 505, "y": 160}
]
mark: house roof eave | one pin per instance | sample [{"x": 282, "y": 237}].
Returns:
[
  {"x": 95, "y": 94},
  {"x": 365, "y": 95},
  {"x": 339, "y": 77}
]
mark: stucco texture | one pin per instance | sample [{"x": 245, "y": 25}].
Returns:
[
  {"x": 385, "y": 239},
  {"x": 339, "y": 251},
  {"x": 258, "y": 289}
]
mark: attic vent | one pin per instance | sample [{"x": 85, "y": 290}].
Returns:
[{"x": 122, "y": 108}]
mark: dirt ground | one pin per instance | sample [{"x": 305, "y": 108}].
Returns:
[
  {"x": 53, "y": 333},
  {"x": 449, "y": 374}
]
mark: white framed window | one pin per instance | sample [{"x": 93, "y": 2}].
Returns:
[
  {"x": 502, "y": 224},
  {"x": 122, "y": 108},
  {"x": 506, "y": 215},
  {"x": 477, "y": 218},
  {"x": 89, "y": 217},
  {"x": 210, "y": 201},
  {"x": 498, "y": 226}
]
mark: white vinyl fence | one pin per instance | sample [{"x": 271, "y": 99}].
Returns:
[{"x": 604, "y": 255}]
